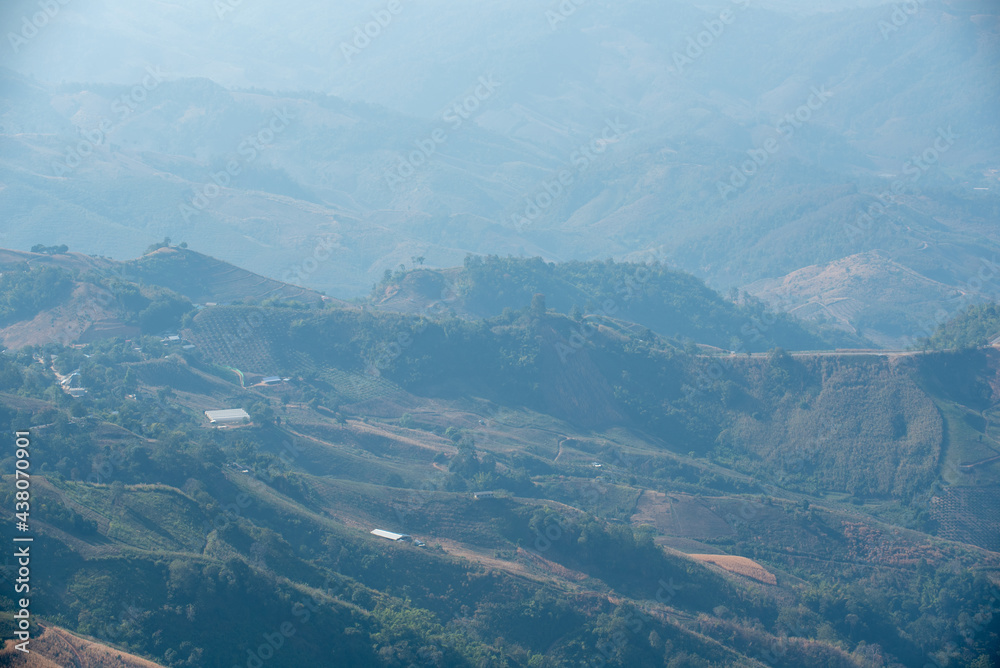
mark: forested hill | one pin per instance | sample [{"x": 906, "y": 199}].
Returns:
[
  {"x": 672, "y": 303},
  {"x": 978, "y": 325}
]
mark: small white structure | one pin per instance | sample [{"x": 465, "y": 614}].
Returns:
[
  {"x": 272, "y": 380},
  {"x": 483, "y": 495},
  {"x": 229, "y": 416},
  {"x": 391, "y": 536}
]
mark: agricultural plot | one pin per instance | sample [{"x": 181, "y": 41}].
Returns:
[
  {"x": 969, "y": 515},
  {"x": 249, "y": 339},
  {"x": 740, "y": 565},
  {"x": 598, "y": 497},
  {"x": 679, "y": 515},
  {"x": 149, "y": 516},
  {"x": 358, "y": 387}
]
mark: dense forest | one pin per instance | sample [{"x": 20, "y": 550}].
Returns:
[{"x": 976, "y": 326}]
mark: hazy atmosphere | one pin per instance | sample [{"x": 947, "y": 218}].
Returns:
[{"x": 393, "y": 333}]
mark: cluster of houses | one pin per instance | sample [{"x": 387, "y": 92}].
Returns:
[{"x": 175, "y": 340}]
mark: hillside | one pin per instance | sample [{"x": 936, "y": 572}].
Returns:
[
  {"x": 203, "y": 279},
  {"x": 620, "y": 295},
  {"x": 75, "y": 299},
  {"x": 57, "y": 648},
  {"x": 645, "y": 500},
  {"x": 975, "y": 326},
  {"x": 601, "y": 333},
  {"x": 867, "y": 295},
  {"x": 345, "y": 476}
]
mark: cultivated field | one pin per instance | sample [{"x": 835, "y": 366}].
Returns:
[{"x": 739, "y": 565}]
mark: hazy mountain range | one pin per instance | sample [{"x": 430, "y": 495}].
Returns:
[{"x": 739, "y": 141}]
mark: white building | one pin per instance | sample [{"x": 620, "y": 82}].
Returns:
[
  {"x": 391, "y": 536},
  {"x": 229, "y": 416}
]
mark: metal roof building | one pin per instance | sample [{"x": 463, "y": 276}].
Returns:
[
  {"x": 229, "y": 416},
  {"x": 390, "y": 535}
]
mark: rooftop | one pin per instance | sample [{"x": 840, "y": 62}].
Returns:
[
  {"x": 228, "y": 415},
  {"x": 390, "y": 535}
]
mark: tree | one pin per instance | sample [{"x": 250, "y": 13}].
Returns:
[
  {"x": 538, "y": 304},
  {"x": 155, "y": 247},
  {"x": 50, "y": 250}
]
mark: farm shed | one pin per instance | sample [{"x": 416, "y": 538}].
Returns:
[
  {"x": 229, "y": 416},
  {"x": 391, "y": 536}
]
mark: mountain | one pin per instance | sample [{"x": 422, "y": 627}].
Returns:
[
  {"x": 736, "y": 163},
  {"x": 515, "y": 334},
  {"x": 202, "y": 279},
  {"x": 672, "y": 303},
  {"x": 73, "y": 298},
  {"x": 567, "y": 498},
  {"x": 868, "y": 294}
]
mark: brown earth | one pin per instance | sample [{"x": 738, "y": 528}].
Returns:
[
  {"x": 739, "y": 565},
  {"x": 58, "y": 648}
]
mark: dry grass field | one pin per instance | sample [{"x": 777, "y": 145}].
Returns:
[
  {"x": 739, "y": 565},
  {"x": 57, "y": 648}
]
